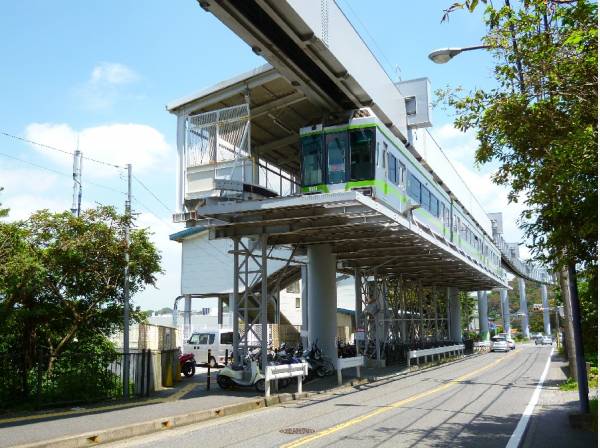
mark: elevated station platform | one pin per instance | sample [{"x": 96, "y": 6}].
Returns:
[{"x": 363, "y": 234}]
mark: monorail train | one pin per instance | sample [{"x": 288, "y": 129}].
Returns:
[{"x": 362, "y": 154}]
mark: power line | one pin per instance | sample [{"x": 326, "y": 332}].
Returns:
[
  {"x": 169, "y": 210},
  {"x": 59, "y": 172},
  {"x": 53, "y": 148},
  {"x": 391, "y": 66}
]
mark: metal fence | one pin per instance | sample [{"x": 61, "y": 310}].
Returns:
[{"x": 41, "y": 380}]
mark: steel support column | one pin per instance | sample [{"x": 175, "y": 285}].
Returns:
[
  {"x": 544, "y": 292},
  {"x": 523, "y": 309},
  {"x": 187, "y": 317},
  {"x": 484, "y": 330},
  {"x": 358, "y": 302},
  {"x": 455, "y": 315},
  {"x": 264, "y": 300},
  {"x": 234, "y": 301}
]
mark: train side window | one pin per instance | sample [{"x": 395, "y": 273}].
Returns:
[
  {"x": 425, "y": 202},
  {"x": 414, "y": 187},
  {"x": 362, "y": 148},
  {"x": 435, "y": 211},
  {"x": 337, "y": 145},
  {"x": 312, "y": 160},
  {"x": 392, "y": 166},
  {"x": 401, "y": 173}
]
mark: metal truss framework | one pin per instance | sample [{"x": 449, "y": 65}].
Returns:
[
  {"x": 398, "y": 311},
  {"x": 258, "y": 297}
]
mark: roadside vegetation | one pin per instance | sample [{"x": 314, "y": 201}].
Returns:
[{"x": 61, "y": 296}]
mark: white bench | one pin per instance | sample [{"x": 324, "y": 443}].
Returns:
[
  {"x": 345, "y": 363},
  {"x": 457, "y": 349},
  {"x": 280, "y": 371}
]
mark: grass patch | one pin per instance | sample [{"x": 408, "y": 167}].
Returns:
[
  {"x": 569, "y": 385},
  {"x": 594, "y": 406}
]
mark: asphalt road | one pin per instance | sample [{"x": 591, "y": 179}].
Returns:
[{"x": 477, "y": 402}]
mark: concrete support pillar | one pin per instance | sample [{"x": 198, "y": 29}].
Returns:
[
  {"x": 304, "y": 305},
  {"x": 505, "y": 310},
  {"x": 220, "y": 311},
  {"x": 454, "y": 313},
  {"x": 322, "y": 299},
  {"x": 187, "y": 317},
  {"x": 523, "y": 309},
  {"x": 484, "y": 330},
  {"x": 544, "y": 292}
]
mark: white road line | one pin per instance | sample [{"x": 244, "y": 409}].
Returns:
[{"x": 517, "y": 435}]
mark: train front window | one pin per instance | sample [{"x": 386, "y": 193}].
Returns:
[
  {"x": 312, "y": 160},
  {"x": 362, "y": 148},
  {"x": 336, "y": 157}
]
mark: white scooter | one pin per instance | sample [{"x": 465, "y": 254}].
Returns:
[{"x": 247, "y": 375}]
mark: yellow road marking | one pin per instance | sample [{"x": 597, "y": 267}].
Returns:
[
  {"x": 112, "y": 407},
  {"x": 397, "y": 404}
]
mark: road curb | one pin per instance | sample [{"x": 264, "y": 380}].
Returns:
[{"x": 152, "y": 426}]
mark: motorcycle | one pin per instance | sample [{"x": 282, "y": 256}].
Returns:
[
  {"x": 187, "y": 365},
  {"x": 318, "y": 364},
  {"x": 245, "y": 375}
]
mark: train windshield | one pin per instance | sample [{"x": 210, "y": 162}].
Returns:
[
  {"x": 362, "y": 147},
  {"x": 312, "y": 160},
  {"x": 336, "y": 157}
]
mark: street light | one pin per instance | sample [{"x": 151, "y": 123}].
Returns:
[{"x": 443, "y": 55}]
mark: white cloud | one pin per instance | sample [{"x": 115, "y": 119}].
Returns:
[
  {"x": 112, "y": 73},
  {"x": 460, "y": 148},
  {"x": 105, "y": 86},
  {"x": 168, "y": 285},
  {"x": 23, "y": 205},
  {"x": 25, "y": 180},
  {"x": 120, "y": 143}
]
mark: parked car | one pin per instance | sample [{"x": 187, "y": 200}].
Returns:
[
  {"x": 500, "y": 344},
  {"x": 218, "y": 341},
  {"x": 509, "y": 339},
  {"x": 544, "y": 340},
  {"x": 536, "y": 336}
]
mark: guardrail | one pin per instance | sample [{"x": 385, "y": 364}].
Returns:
[
  {"x": 346, "y": 363},
  {"x": 280, "y": 371},
  {"x": 457, "y": 349}
]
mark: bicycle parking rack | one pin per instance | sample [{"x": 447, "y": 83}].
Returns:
[
  {"x": 458, "y": 349},
  {"x": 280, "y": 371}
]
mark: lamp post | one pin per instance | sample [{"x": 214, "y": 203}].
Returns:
[{"x": 443, "y": 55}]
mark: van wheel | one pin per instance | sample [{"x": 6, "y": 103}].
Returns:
[{"x": 212, "y": 363}]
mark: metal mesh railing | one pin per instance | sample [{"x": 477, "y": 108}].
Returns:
[
  {"x": 40, "y": 380},
  {"x": 218, "y": 136}
]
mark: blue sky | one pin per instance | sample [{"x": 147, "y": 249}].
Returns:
[{"x": 104, "y": 71}]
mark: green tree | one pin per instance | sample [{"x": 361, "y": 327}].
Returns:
[
  {"x": 3, "y": 211},
  {"x": 61, "y": 279},
  {"x": 540, "y": 122}
]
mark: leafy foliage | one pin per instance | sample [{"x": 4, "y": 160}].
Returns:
[
  {"x": 3, "y": 211},
  {"x": 61, "y": 282},
  {"x": 541, "y": 122}
]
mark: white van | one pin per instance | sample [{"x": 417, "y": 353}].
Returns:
[{"x": 218, "y": 341}]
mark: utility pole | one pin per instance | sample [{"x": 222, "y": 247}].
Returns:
[
  {"x": 126, "y": 289},
  {"x": 76, "y": 203},
  {"x": 582, "y": 381}
]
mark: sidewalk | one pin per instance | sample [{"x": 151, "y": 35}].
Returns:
[
  {"x": 549, "y": 425},
  {"x": 189, "y": 397}
]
